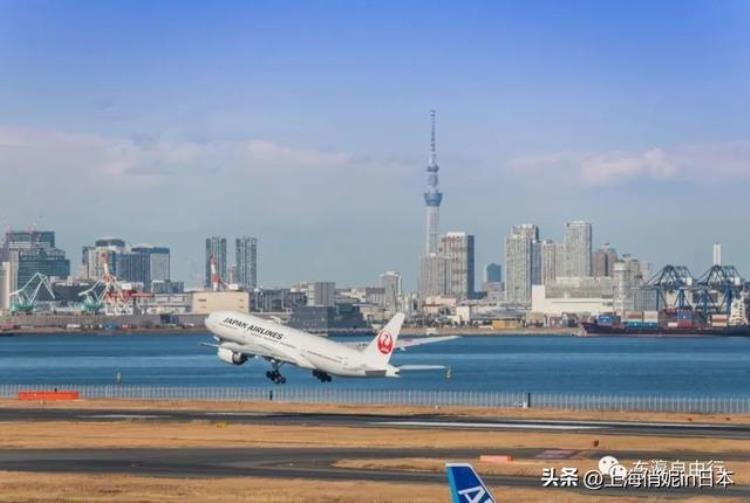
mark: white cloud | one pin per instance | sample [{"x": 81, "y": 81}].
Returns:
[
  {"x": 149, "y": 161},
  {"x": 718, "y": 162}
]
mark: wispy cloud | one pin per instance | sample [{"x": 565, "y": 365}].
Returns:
[
  {"x": 147, "y": 160},
  {"x": 717, "y": 162}
]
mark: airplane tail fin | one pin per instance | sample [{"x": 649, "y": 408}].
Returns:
[
  {"x": 379, "y": 351},
  {"x": 466, "y": 486}
]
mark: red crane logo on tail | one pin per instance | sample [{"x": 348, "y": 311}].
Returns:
[{"x": 385, "y": 342}]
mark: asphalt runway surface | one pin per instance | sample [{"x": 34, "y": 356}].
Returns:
[
  {"x": 420, "y": 421},
  {"x": 318, "y": 463}
]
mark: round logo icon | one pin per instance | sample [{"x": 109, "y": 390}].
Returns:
[
  {"x": 609, "y": 465},
  {"x": 385, "y": 342}
]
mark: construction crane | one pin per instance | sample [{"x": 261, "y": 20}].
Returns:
[
  {"x": 23, "y": 300},
  {"x": 108, "y": 293},
  {"x": 216, "y": 281}
]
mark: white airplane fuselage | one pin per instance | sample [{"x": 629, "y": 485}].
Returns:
[{"x": 244, "y": 334}]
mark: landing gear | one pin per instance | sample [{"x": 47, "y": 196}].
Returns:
[
  {"x": 322, "y": 376},
  {"x": 276, "y": 377}
]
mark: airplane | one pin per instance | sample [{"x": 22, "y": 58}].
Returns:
[
  {"x": 466, "y": 486},
  {"x": 241, "y": 336}
]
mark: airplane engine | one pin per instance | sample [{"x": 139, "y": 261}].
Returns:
[{"x": 230, "y": 357}]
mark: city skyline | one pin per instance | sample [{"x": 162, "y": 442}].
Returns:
[{"x": 262, "y": 119}]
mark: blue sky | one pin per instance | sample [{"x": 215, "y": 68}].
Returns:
[{"x": 306, "y": 124}]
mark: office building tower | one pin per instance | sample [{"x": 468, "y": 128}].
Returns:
[
  {"x": 549, "y": 261},
  {"x": 391, "y": 282},
  {"x": 519, "y": 262},
  {"x": 493, "y": 273},
  {"x": 246, "y": 262},
  {"x": 159, "y": 262},
  {"x": 717, "y": 254},
  {"x": 433, "y": 274},
  {"x": 577, "y": 241},
  {"x": 31, "y": 252},
  {"x": 134, "y": 268},
  {"x": 603, "y": 261},
  {"x": 628, "y": 275},
  {"x": 216, "y": 247},
  {"x": 536, "y": 262},
  {"x": 458, "y": 250},
  {"x": 321, "y": 293}
]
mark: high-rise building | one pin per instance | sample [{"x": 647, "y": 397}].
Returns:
[
  {"x": 7, "y": 277},
  {"x": 577, "y": 249},
  {"x": 433, "y": 267},
  {"x": 536, "y": 262},
  {"x": 433, "y": 276},
  {"x": 458, "y": 250},
  {"x": 31, "y": 252},
  {"x": 321, "y": 293},
  {"x": 717, "y": 254},
  {"x": 159, "y": 261},
  {"x": 216, "y": 247},
  {"x": 391, "y": 283},
  {"x": 519, "y": 262},
  {"x": 560, "y": 265},
  {"x": 493, "y": 273},
  {"x": 134, "y": 267},
  {"x": 628, "y": 275},
  {"x": 603, "y": 261},
  {"x": 246, "y": 261},
  {"x": 549, "y": 261}
]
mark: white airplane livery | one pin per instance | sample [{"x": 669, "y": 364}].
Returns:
[{"x": 242, "y": 336}]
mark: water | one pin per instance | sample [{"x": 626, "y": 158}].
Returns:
[{"x": 612, "y": 365}]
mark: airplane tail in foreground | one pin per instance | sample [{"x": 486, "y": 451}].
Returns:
[
  {"x": 379, "y": 351},
  {"x": 465, "y": 484}
]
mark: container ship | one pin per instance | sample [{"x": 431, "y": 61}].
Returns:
[{"x": 673, "y": 322}]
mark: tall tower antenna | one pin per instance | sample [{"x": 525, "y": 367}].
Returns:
[
  {"x": 432, "y": 196},
  {"x": 433, "y": 148}
]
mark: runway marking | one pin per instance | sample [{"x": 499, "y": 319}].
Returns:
[
  {"x": 124, "y": 416},
  {"x": 238, "y": 414},
  {"x": 555, "y": 454},
  {"x": 447, "y": 424}
]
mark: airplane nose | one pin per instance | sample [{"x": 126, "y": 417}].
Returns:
[{"x": 209, "y": 321}]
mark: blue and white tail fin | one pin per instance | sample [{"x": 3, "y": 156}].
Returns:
[{"x": 466, "y": 486}]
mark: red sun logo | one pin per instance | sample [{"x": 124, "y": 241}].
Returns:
[{"x": 385, "y": 342}]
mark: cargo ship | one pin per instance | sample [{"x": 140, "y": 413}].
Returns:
[{"x": 675, "y": 322}]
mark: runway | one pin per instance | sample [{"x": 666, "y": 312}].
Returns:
[
  {"x": 318, "y": 463},
  {"x": 307, "y": 463},
  {"x": 421, "y": 421}
]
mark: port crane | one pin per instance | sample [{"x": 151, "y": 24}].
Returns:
[
  {"x": 109, "y": 293},
  {"x": 24, "y": 299},
  {"x": 712, "y": 292}
]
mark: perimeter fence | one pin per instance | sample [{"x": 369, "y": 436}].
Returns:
[{"x": 428, "y": 398}]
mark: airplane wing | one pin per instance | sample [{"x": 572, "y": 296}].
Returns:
[
  {"x": 423, "y": 367},
  {"x": 406, "y": 343}
]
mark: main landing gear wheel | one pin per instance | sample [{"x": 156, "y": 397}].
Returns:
[
  {"x": 322, "y": 376},
  {"x": 276, "y": 377}
]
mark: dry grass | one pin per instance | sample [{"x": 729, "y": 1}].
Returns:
[
  {"x": 42, "y": 487},
  {"x": 276, "y": 406},
  {"x": 66, "y": 434}
]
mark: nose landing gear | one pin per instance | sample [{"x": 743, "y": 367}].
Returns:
[{"x": 322, "y": 376}]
